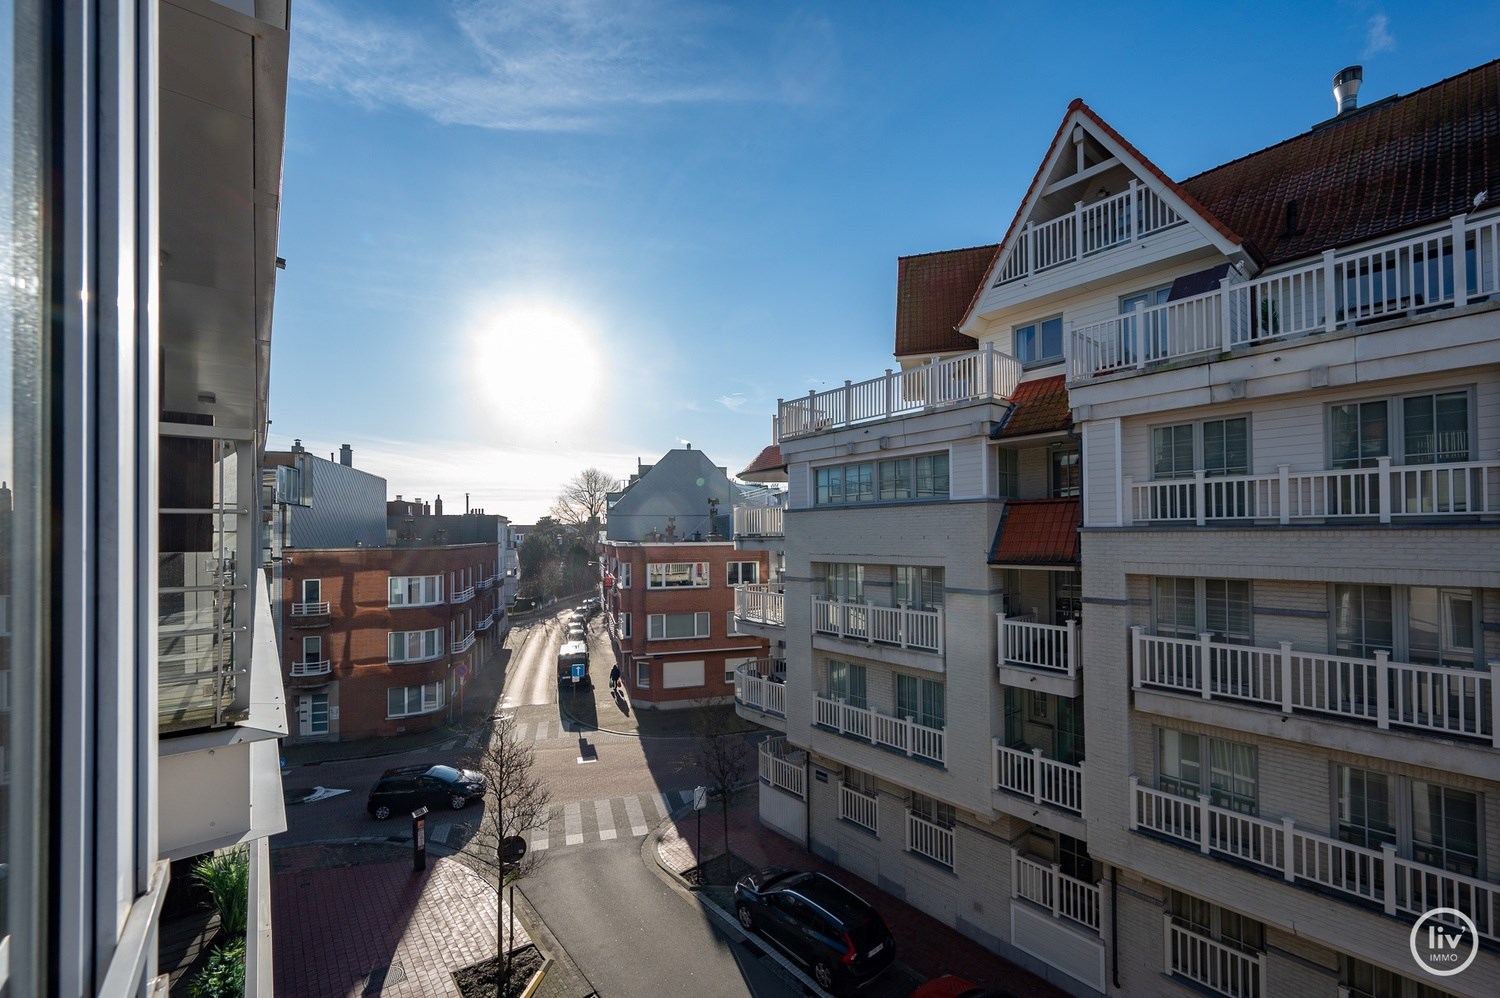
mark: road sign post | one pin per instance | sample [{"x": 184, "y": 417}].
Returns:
[
  {"x": 700, "y": 801},
  {"x": 419, "y": 839}
]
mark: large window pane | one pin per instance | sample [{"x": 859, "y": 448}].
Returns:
[
  {"x": 1445, "y": 827},
  {"x": 1363, "y": 622},
  {"x": 1359, "y": 434},
  {"x": 1172, "y": 451}
]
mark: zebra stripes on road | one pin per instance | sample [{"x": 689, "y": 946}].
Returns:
[
  {"x": 541, "y": 731},
  {"x": 606, "y": 815}
]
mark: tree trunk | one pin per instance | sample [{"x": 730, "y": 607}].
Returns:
[{"x": 724, "y": 803}]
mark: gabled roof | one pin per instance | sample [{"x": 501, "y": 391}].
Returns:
[
  {"x": 1038, "y": 532},
  {"x": 932, "y": 292},
  {"x": 768, "y": 460},
  {"x": 1039, "y": 406},
  {"x": 1397, "y": 164}
]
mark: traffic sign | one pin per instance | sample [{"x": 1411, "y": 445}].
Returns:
[
  {"x": 700, "y": 798},
  {"x": 462, "y": 670}
]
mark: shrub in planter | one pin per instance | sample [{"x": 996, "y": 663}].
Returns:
[
  {"x": 226, "y": 876},
  {"x": 224, "y": 974}
]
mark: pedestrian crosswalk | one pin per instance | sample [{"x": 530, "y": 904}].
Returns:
[
  {"x": 544, "y": 730},
  {"x": 602, "y": 820}
]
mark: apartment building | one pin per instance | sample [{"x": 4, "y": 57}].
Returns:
[
  {"x": 385, "y": 610},
  {"x": 671, "y": 566},
  {"x": 1201, "y": 475},
  {"x": 141, "y": 227}
]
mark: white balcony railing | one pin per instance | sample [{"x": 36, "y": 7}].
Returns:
[
  {"x": 884, "y": 625},
  {"x": 1053, "y": 647},
  {"x": 759, "y": 521},
  {"x": 1039, "y": 779},
  {"x": 310, "y": 609},
  {"x": 306, "y": 668},
  {"x": 1342, "y": 289},
  {"x": 1045, "y": 884},
  {"x": 760, "y": 603},
  {"x": 1217, "y": 966},
  {"x": 463, "y": 644},
  {"x": 763, "y": 693},
  {"x": 1400, "y": 886},
  {"x": 484, "y": 583},
  {"x": 926, "y": 838},
  {"x": 780, "y": 770},
  {"x": 1431, "y": 698},
  {"x": 462, "y": 595},
  {"x": 900, "y": 733},
  {"x": 983, "y": 375},
  {"x": 485, "y": 622},
  {"x": 1384, "y": 492},
  {"x": 859, "y": 807},
  {"x": 1088, "y": 229}
]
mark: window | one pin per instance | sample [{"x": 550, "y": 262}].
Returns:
[
  {"x": 1428, "y": 822},
  {"x": 1422, "y": 624},
  {"x": 932, "y": 476},
  {"x": 409, "y": 701},
  {"x": 1366, "y": 815},
  {"x": 1218, "y": 446},
  {"x": 1231, "y": 769},
  {"x": 858, "y": 779},
  {"x": 842, "y": 581},
  {"x": 622, "y": 577},
  {"x": 743, "y": 572},
  {"x": 682, "y": 675},
  {"x": 416, "y": 590},
  {"x": 1008, "y": 463},
  {"x": 1040, "y": 342},
  {"x": 643, "y": 675},
  {"x": 313, "y": 711},
  {"x": 1154, "y": 336},
  {"x": 921, "y": 700},
  {"x": 1067, "y": 473},
  {"x": 622, "y": 621},
  {"x": 1430, "y": 429},
  {"x": 934, "y": 811},
  {"x": 1365, "y": 980},
  {"x": 415, "y": 646},
  {"x": 894, "y": 479},
  {"x": 670, "y": 626},
  {"x": 918, "y": 587},
  {"x": 846, "y": 682},
  {"x": 312, "y": 649},
  {"x": 4, "y": 691},
  {"x": 1218, "y": 924},
  {"x": 1186, "y": 608},
  {"x": 312, "y": 590},
  {"x": 677, "y": 575},
  {"x": 845, "y": 483}
]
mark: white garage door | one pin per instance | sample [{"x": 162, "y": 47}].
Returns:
[{"x": 679, "y": 675}]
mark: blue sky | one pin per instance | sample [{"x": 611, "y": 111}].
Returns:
[{"x": 528, "y": 237}]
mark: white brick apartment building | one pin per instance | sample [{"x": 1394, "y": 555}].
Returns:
[{"x": 1203, "y": 475}]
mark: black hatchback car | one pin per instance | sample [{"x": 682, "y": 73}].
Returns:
[
  {"x": 411, "y": 787},
  {"x": 841, "y": 939}
]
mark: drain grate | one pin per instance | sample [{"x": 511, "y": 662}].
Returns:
[{"x": 381, "y": 976}]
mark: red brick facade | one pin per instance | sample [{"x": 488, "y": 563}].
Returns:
[{"x": 660, "y": 672}]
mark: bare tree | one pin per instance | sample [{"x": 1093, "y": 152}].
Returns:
[
  {"x": 722, "y": 755},
  {"x": 516, "y": 801},
  {"x": 584, "y": 499}
]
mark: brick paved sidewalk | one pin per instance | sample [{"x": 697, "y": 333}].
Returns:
[{"x": 925, "y": 945}]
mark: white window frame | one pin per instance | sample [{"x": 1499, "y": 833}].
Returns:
[
  {"x": 424, "y": 582},
  {"x": 312, "y": 641},
  {"x": 622, "y": 575},
  {"x": 702, "y": 626},
  {"x": 315, "y": 593},
  {"x": 1210, "y": 778},
  {"x": 433, "y": 635},
  {"x": 1196, "y": 428},
  {"x": 622, "y": 622},
  {"x": 734, "y": 573},
  {"x": 643, "y": 674},
  {"x": 1042, "y": 359},
  {"x": 658, "y": 572},
  {"x": 430, "y": 699},
  {"x": 1395, "y": 425},
  {"x": 4, "y": 691}
]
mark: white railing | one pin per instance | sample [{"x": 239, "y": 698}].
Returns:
[
  {"x": 310, "y": 609},
  {"x": 926, "y": 838},
  {"x": 760, "y": 692},
  {"x": 1214, "y": 965},
  {"x": 1088, "y": 229},
  {"x": 463, "y": 644},
  {"x": 1432, "y": 698},
  {"x": 1040, "y": 646},
  {"x": 759, "y": 521},
  {"x": 485, "y": 622},
  {"x": 1045, "y": 884},
  {"x": 463, "y": 595},
  {"x": 484, "y": 583},
  {"x": 983, "y": 375},
  {"x": 760, "y": 603},
  {"x": 305, "y": 668},
  {"x": 1463, "y": 488},
  {"x": 900, "y": 733},
  {"x": 859, "y": 807},
  {"x": 1342, "y": 289},
  {"x": 1039, "y": 779},
  {"x": 780, "y": 771},
  {"x": 885, "y": 625},
  {"x": 1400, "y": 886}
]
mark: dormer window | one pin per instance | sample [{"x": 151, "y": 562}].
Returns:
[{"x": 1040, "y": 342}]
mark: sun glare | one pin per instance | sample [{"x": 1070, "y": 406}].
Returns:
[{"x": 537, "y": 369}]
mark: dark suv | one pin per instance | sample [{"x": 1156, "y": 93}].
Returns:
[
  {"x": 411, "y": 787},
  {"x": 817, "y": 921}
]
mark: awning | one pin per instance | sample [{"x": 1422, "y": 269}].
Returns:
[{"x": 1038, "y": 533}]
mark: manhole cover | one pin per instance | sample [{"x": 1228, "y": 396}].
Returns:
[{"x": 381, "y": 976}]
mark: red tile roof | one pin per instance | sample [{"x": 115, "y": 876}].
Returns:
[
  {"x": 932, "y": 292},
  {"x": 1038, "y": 532},
  {"x": 1396, "y": 164},
  {"x": 769, "y": 459},
  {"x": 1039, "y": 406}
]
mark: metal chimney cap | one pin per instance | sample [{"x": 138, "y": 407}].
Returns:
[{"x": 1346, "y": 83}]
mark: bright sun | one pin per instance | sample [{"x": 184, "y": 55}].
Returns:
[{"x": 537, "y": 369}]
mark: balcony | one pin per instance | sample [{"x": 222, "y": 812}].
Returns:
[
  {"x": 984, "y": 375},
  {"x": 198, "y": 637},
  {"x": 759, "y": 521},
  {"x": 311, "y": 609},
  {"x": 1220, "y": 967},
  {"x": 1040, "y": 780},
  {"x": 1045, "y": 885},
  {"x": 1050, "y": 648},
  {"x": 1401, "y": 887},
  {"x": 484, "y": 583},
  {"x": 1344, "y": 289},
  {"x": 761, "y": 686},
  {"x": 897, "y": 626},
  {"x": 1087, "y": 230},
  {"x": 462, "y": 596},
  {"x": 306, "y": 669},
  {"x": 463, "y": 644},
  {"x": 859, "y": 807},
  {"x": 1379, "y": 494},
  {"x": 484, "y": 623},
  {"x": 1431, "y": 699},
  {"x": 782, "y": 768},
  {"x": 899, "y": 734},
  {"x": 760, "y": 603},
  {"x": 930, "y": 839}
]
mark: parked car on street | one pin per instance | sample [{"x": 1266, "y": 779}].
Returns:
[
  {"x": 576, "y": 632},
  {"x": 410, "y": 787},
  {"x": 817, "y": 921}
]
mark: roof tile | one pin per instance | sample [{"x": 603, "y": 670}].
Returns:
[
  {"x": 1039, "y": 406},
  {"x": 933, "y": 291},
  {"x": 1038, "y": 532}
]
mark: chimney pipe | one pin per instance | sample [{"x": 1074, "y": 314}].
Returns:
[
  {"x": 1346, "y": 87},
  {"x": 437, "y": 506},
  {"x": 297, "y": 446},
  {"x": 466, "y": 502},
  {"x": 346, "y": 455}
]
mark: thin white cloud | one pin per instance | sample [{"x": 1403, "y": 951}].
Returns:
[
  {"x": 734, "y": 403},
  {"x": 1378, "y": 37},
  {"x": 531, "y": 65}
]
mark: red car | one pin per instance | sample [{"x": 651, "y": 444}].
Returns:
[{"x": 952, "y": 986}]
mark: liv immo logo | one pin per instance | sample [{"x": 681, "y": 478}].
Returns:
[{"x": 1444, "y": 942}]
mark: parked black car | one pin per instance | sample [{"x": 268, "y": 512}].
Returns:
[
  {"x": 841, "y": 939},
  {"x": 411, "y": 787}
]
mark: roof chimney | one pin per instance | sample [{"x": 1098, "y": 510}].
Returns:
[
  {"x": 437, "y": 506},
  {"x": 346, "y": 455},
  {"x": 297, "y": 446},
  {"x": 1346, "y": 87}
]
